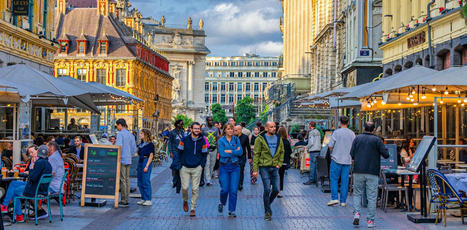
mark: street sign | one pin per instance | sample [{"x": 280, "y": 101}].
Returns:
[
  {"x": 21, "y": 7},
  {"x": 364, "y": 53}
]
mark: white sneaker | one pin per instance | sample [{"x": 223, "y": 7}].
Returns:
[
  {"x": 371, "y": 224},
  {"x": 147, "y": 203},
  {"x": 333, "y": 202},
  {"x": 343, "y": 204},
  {"x": 140, "y": 202},
  {"x": 356, "y": 219}
]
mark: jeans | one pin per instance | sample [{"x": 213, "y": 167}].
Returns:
[
  {"x": 176, "y": 180},
  {"x": 15, "y": 189},
  {"x": 242, "y": 174},
  {"x": 282, "y": 170},
  {"x": 195, "y": 175},
  {"x": 144, "y": 179},
  {"x": 339, "y": 171},
  {"x": 125, "y": 183},
  {"x": 269, "y": 176},
  {"x": 210, "y": 163},
  {"x": 313, "y": 156},
  {"x": 370, "y": 183},
  {"x": 229, "y": 175}
]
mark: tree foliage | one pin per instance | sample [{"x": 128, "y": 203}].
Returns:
[
  {"x": 186, "y": 120},
  {"x": 218, "y": 113},
  {"x": 245, "y": 111}
]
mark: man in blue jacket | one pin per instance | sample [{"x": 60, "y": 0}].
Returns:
[
  {"x": 192, "y": 158},
  {"x": 175, "y": 136}
]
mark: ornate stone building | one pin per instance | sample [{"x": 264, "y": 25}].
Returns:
[
  {"x": 105, "y": 44},
  {"x": 186, "y": 50}
]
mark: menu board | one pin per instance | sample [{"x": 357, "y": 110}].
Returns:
[
  {"x": 423, "y": 148},
  {"x": 391, "y": 161},
  {"x": 101, "y": 172}
]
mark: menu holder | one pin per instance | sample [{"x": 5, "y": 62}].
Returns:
[{"x": 101, "y": 172}]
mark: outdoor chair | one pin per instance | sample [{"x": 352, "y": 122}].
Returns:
[
  {"x": 386, "y": 188},
  {"x": 434, "y": 189},
  {"x": 59, "y": 195},
  {"x": 45, "y": 179},
  {"x": 322, "y": 169},
  {"x": 448, "y": 196},
  {"x": 7, "y": 163}
]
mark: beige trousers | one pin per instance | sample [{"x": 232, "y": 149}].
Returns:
[{"x": 195, "y": 175}]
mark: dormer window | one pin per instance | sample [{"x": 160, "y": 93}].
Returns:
[
  {"x": 103, "y": 47},
  {"x": 82, "y": 42},
  {"x": 81, "y": 47},
  {"x": 104, "y": 43},
  {"x": 63, "y": 47},
  {"x": 64, "y": 43}
]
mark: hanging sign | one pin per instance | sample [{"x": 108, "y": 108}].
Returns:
[{"x": 21, "y": 7}]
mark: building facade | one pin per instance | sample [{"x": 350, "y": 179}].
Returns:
[
  {"x": 28, "y": 39},
  {"x": 296, "y": 25},
  {"x": 186, "y": 50},
  {"x": 230, "y": 79},
  {"x": 101, "y": 45},
  {"x": 406, "y": 42},
  {"x": 363, "y": 26}
]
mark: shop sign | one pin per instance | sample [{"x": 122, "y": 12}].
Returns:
[
  {"x": 21, "y": 7},
  {"x": 416, "y": 40}
]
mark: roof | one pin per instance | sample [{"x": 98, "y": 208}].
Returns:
[
  {"x": 83, "y": 3},
  {"x": 454, "y": 76}
]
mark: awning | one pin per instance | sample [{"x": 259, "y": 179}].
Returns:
[
  {"x": 336, "y": 103},
  {"x": 115, "y": 91},
  {"x": 454, "y": 76}
]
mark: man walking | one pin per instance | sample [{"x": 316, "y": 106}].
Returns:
[
  {"x": 212, "y": 134},
  {"x": 366, "y": 152},
  {"x": 127, "y": 142},
  {"x": 192, "y": 158},
  {"x": 314, "y": 148},
  {"x": 340, "y": 144},
  {"x": 245, "y": 143},
  {"x": 175, "y": 136},
  {"x": 268, "y": 157}
]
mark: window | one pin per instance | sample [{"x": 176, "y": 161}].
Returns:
[
  {"x": 273, "y": 74},
  {"x": 214, "y": 98},
  {"x": 256, "y": 98},
  {"x": 274, "y": 64},
  {"x": 256, "y": 87},
  {"x": 121, "y": 78},
  {"x": 239, "y": 87},
  {"x": 103, "y": 47},
  {"x": 231, "y": 98},
  {"x": 248, "y": 74},
  {"x": 208, "y": 63},
  {"x": 258, "y": 63},
  {"x": 63, "y": 47},
  {"x": 247, "y": 87},
  {"x": 214, "y": 86},
  {"x": 224, "y": 63},
  {"x": 250, "y": 64},
  {"x": 266, "y": 63},
  {"x": 62, "y": 72},
  {"x": 256, "y": 74},
  {"x": 239, "y": 97},
  {"x": 100, "y": 76},
  {"x": 206, "y": 86},
  {"x": 265, "y": 74},
  {"x": 240, "y": 63},
  {"x": 219, "y": 74},
  {"x": 216, "y": 63},
  {"x": 232, "y": 63},
  {"x": 265, "y": 85},
  {"x": 82, "y": 74},
  {"x": 231, "y": 86},
  {"x": 240, "y": 74},
  {"x": 222, "y": 86},
  {"x": 206, "y": 98},
  {"x": 232, "y": 74},
  {"x": 81, "y": 47},
  {"x": 120, "y": 109},
  {"x": 222, "y": 98}
]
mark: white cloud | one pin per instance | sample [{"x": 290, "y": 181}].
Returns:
[{"x": 267, "y": 48}]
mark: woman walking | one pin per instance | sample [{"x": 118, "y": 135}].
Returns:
[
  {"x": 230, "y": 151},
  {"x": 146, "y": 153},
  {"x": 285, "y": 164}
]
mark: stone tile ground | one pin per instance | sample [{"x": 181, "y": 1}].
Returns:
[{"x": 303, "y": 207}]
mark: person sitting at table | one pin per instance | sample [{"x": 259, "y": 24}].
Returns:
[
  {"x": 113, "y": 139},
  {"x": 39, "y": 166},
  {"x": 7, "y": 150},
  {"x": 463, "y": 151},
  {"x": 78, "y": 147},
  {"x": 407, "y": 151},
  {"x": 301, "y": 141}
]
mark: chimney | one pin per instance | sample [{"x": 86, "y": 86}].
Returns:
[
  {"x": 103, "y": 7},
  {"x": 61, "y": 7}
]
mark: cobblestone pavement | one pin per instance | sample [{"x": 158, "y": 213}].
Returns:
[{"x": 302, "y": 207}]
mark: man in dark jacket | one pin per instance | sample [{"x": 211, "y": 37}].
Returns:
[
  {"x": 175, "y": 136},
  {"x": 192, "y": 158},
  {"x": 366, "y": 152},
  {"x": 77, "y": 148},
  {"x": 245, "y": 143},
  {"x": 39, "y": 166}
]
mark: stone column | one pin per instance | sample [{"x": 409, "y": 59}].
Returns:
[
  {"x": 190, "y": 92},
  {"x": 416, "y": 9},
  {"x": 395, "y": 14}
]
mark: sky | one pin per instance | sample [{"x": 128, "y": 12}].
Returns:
[{"x": 233, "y": 27}]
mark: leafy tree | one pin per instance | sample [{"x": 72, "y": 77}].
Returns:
[
  {"x": 245, "y": 111},
  {"x": 218, "y": 113},
  {"x": 186, "y": 120}
]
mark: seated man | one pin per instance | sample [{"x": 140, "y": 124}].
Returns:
[
  {"x": 39, "y": 166},
  {"x": 78, "y": 147}
]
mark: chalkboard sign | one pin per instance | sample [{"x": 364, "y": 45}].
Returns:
[
  {"x": 391, "y": 161},
  {"x": 21, "y": 7},
  {"x": 423, "y": 148},
  {"x": 101, "y": 172}
]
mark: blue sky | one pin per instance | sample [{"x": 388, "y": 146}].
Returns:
[{"x": 232, "y": 27}]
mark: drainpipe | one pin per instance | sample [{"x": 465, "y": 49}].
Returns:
[
  {"x": 334, "y": 25},
  {"x": 428, "y": 18}
]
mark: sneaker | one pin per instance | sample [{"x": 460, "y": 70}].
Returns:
[
  {"x": 123, "y": 204},
  {"x": 356, "y": 219},
  {"x": 140, "y": 202},
  {"x": 147, "y": 203},
  {"x": 309, "y": 183},
  {"x": 267, "y": 216},
  {"x": 185, "y": 206},
  {"x": 19, "y": 219},
  {"x": 208, "y": 184},
  {"x": 220, "y": 208},
  {"x": 42, "y": 214},
  {"x": 4, "y": 208},
  {"x": 333, "y": 202},
  {"x": 232, "y": 214},
  {"x": 192, "y": 213},
  {"x": 371, "y": 224},
  {"x": 343, "y": 204},
  {"x": 240, "y": 188}
]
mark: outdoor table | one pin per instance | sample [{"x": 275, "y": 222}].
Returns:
[
  {"x": 402, "y": 173},
  {"x": 449, "y": 162},
  {"x": 458, "y": 181}
]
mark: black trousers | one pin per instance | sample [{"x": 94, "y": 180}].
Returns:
[
  {"x": 242, "y": 175},
  {"x": 176, "y": 180},
  {"x": 281, "y": 176}
]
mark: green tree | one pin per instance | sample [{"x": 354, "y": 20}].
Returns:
[
  {"x": 245, "y": 111},
  {"x": 218, "y": 113},
  {"x": 186, "y": 120}
]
